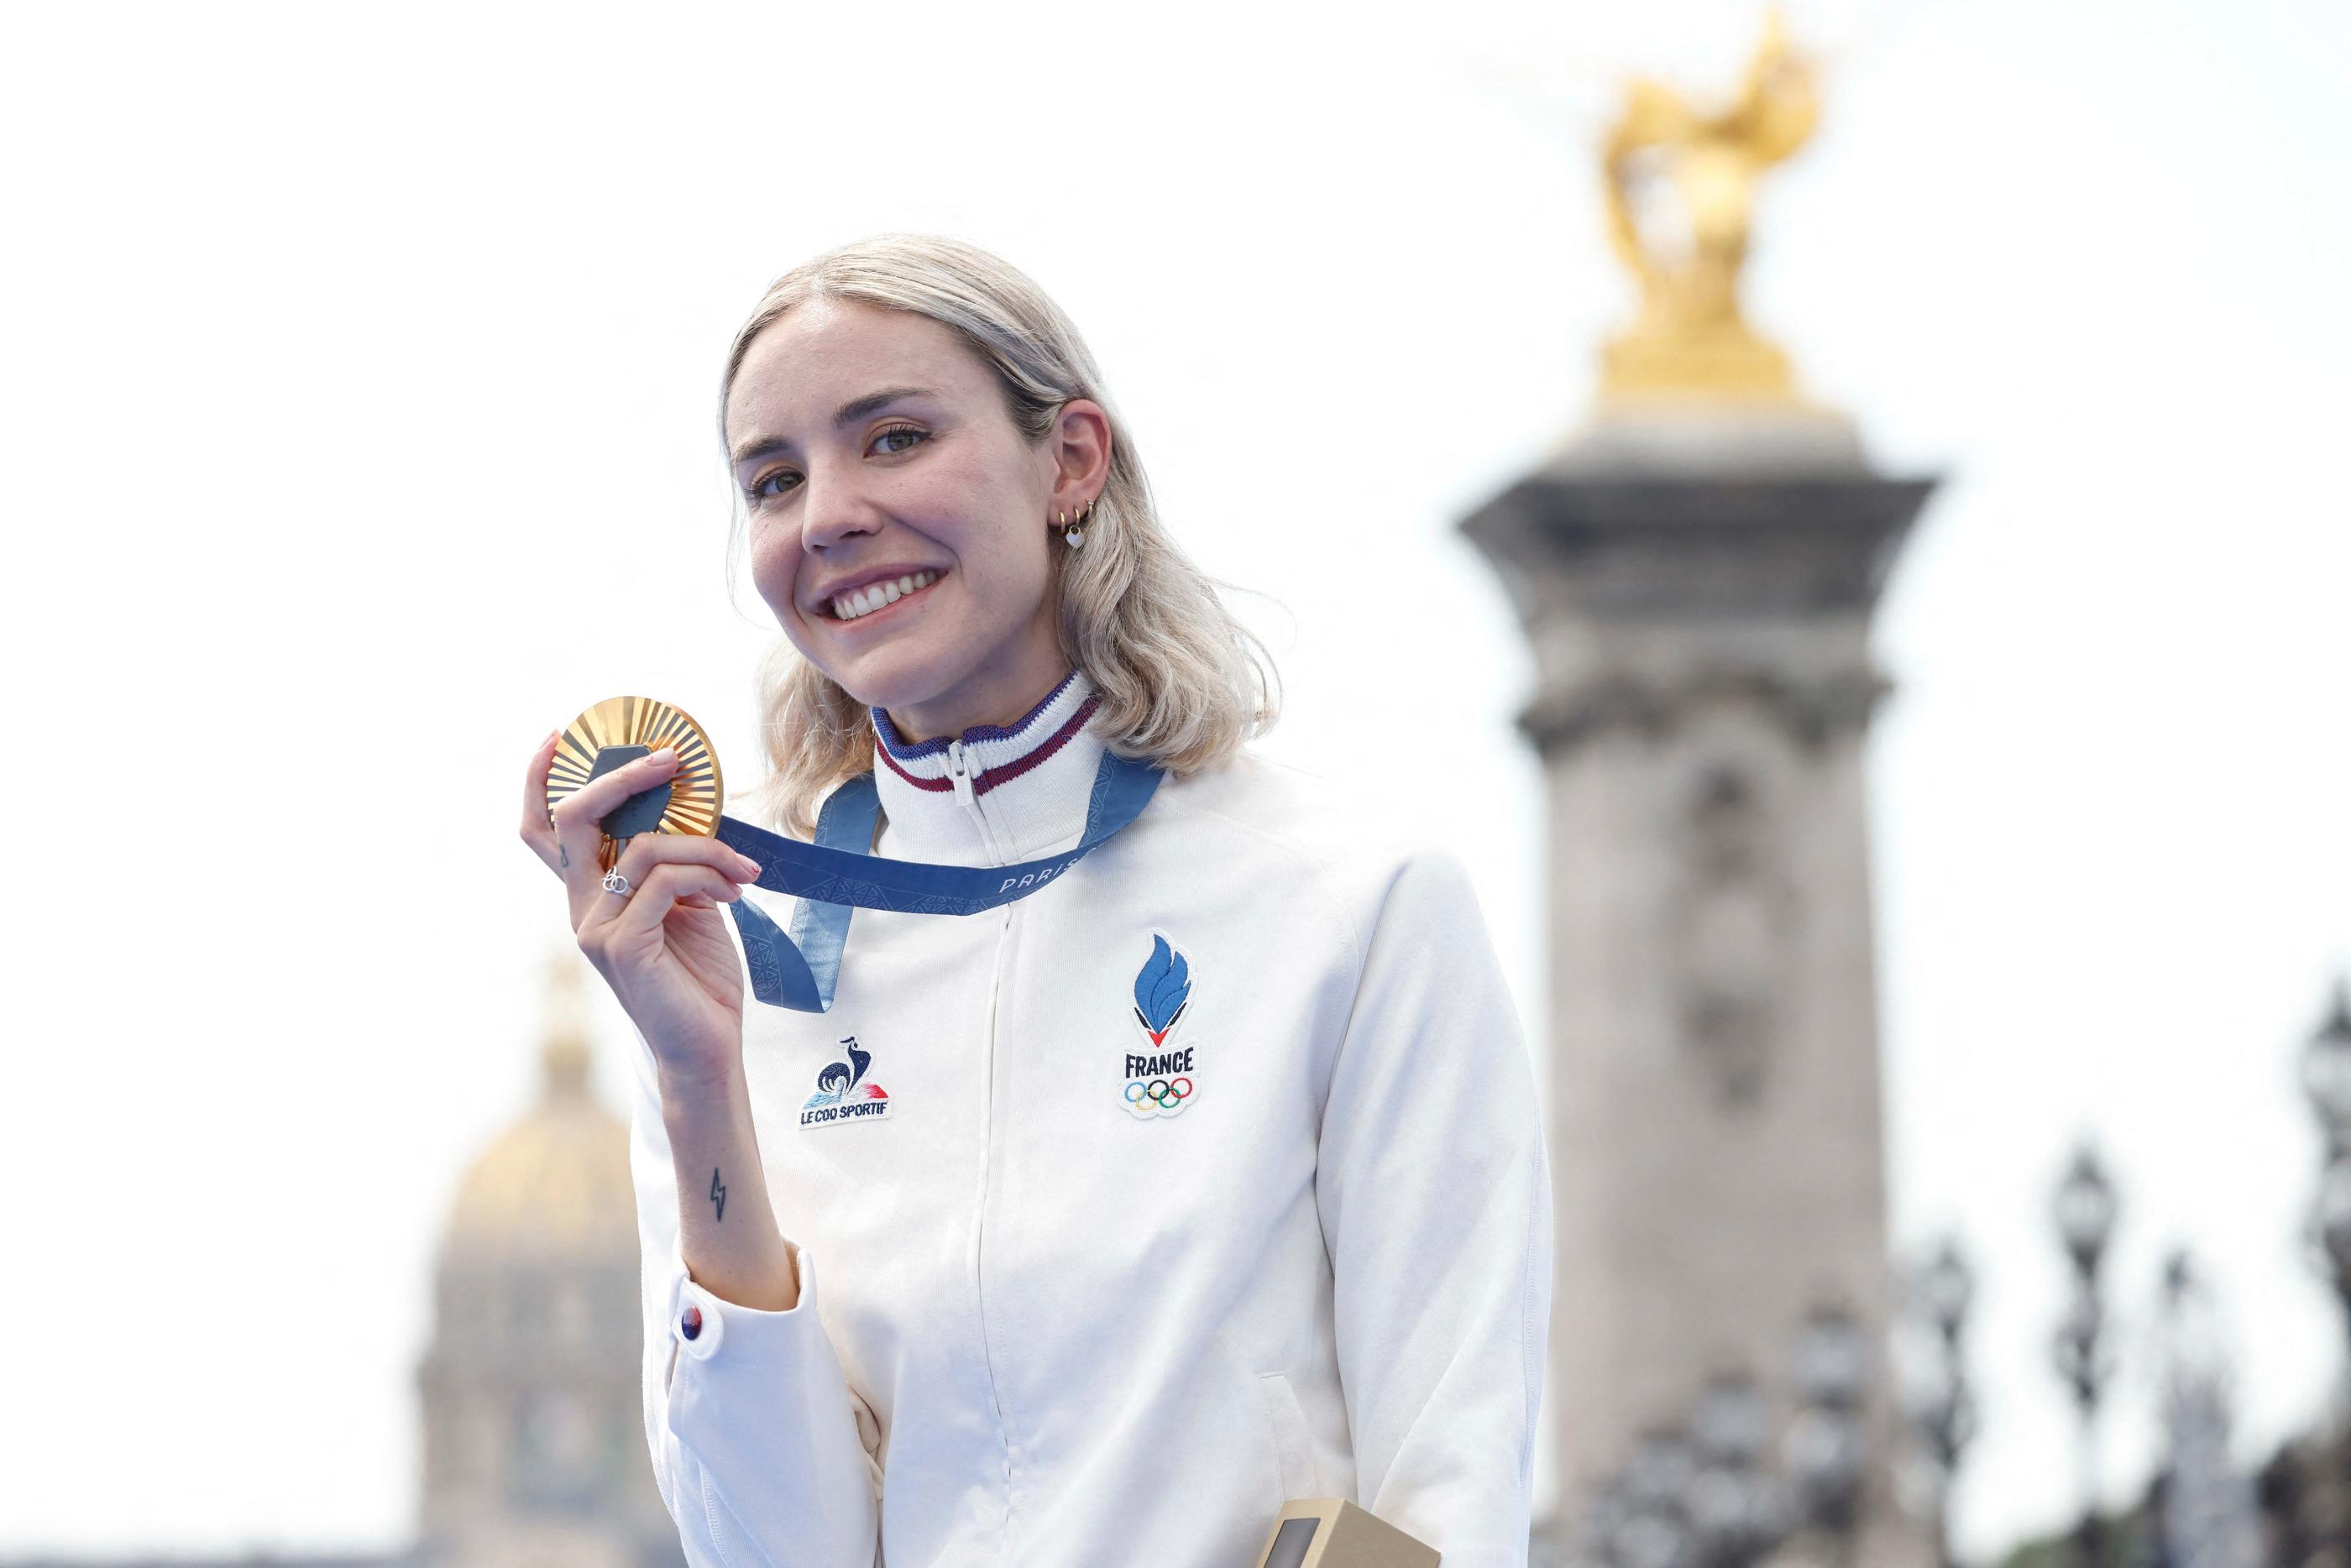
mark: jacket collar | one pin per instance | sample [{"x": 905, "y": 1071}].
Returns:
[{"x": 1022, "y": 794}]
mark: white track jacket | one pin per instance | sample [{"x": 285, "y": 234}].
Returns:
[{"x": 1208, "y": 1177}]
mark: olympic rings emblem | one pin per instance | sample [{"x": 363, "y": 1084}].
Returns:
[{"x": 1160, "y": 1090}]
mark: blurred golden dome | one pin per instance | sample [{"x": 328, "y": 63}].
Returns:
[{"x": 557, "y": 1182}]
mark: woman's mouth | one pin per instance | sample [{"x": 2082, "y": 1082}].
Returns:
[{"x": 875, "y": 597}]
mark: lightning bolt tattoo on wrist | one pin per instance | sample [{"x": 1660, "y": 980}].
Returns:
[
  {"x": 718, "y": 1193},
  {"x": 563, "y": 854}
]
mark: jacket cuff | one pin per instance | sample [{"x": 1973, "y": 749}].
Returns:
[
  {"x": 730, "y": 1333},
  {"x": 765, "y": 1433}
]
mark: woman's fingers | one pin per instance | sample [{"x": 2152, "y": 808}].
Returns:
[
  {"x": 648, "y": 849},
  {"x": 537, "y": 827},
  {"x": 649, "y": 852},
  {"x": 576, "y": 836},
  {"x": 648, "y": 903},
  {"x": 679, "y": 979}
]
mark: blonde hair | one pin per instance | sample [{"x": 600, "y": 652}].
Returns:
[{"x": 1183, "y": 682}]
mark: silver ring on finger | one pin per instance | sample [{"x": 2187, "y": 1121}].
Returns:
[{"x": 616, "y": 883}]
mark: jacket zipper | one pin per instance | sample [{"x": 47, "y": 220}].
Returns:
[
  {"x": 979, "y": 1239},
  {"x": 959, "y": 772},
  {"x": 959, "y": 775}
]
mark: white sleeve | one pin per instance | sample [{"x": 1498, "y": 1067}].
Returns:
[
  {"x": 763, "y": 1454},
  {"x": 1435, "y": 1193}
]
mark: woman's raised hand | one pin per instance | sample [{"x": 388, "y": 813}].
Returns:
[{"x": 663, "y": 947}]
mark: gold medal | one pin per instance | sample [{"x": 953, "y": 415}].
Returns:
[{"x": 617, "y": 731}]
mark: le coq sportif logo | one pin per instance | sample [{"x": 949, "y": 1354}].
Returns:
[{"x": 843, "y": 1094}]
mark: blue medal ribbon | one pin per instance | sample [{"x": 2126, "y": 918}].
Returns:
[{"x": 839, "y": 874}]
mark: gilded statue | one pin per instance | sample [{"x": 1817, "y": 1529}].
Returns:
[{"x": 1680, "y": 189}]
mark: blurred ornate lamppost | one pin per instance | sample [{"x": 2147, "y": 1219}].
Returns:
[
  {"x": 1825, "y": 1446},
  {"x": 2305, "y": 1490},
  {"x": 2332, "y": 1225},
  {"x": 2085, "y": 1209},
  {"x": 2326, "y": 1079},
  {"x": 1736, "y": 1512},
  {"x": 2202, "y": 1505},
  {"x": 1944, "y": 1288},
  {"x": 1646, "y": 1519},
  {"x": 2327, "y": 1072}
]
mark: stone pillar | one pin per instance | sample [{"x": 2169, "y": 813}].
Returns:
[{"x": 1697, "y": 587}]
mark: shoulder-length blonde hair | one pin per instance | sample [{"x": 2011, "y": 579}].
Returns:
[{"x": 1183, "y": 682}]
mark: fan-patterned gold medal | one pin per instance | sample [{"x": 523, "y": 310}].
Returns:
[{"x": 615, "y": 732}]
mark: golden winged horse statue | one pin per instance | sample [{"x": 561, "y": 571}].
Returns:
[{"x": 1680, "y": 192}]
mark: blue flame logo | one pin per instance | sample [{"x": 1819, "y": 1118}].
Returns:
[{"x": 1163, "y": 988}]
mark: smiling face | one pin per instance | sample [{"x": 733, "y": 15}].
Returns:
[{"x": 903, "y": 543}]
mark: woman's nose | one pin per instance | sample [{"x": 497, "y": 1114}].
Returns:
[{"x": 831, "y": 513}]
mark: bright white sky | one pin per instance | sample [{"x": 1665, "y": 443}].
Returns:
[{"x": 358, "y": 381}]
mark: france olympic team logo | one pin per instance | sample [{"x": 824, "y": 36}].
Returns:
[
  {"x": 838, "y": 1096},
  {"x": 1159, "y": 1081}
]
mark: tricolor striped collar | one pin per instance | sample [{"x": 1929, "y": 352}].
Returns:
[{"x": 995, "y": 754}]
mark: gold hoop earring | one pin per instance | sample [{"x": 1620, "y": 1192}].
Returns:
[{"x": 1073, "y": 533}]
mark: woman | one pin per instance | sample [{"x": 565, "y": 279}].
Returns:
[{"x": 1088, "y": 1229}]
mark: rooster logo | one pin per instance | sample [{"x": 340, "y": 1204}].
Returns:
[
  {"x": 838, "y": 1078},
  {"x": 1163, "y": 988}
]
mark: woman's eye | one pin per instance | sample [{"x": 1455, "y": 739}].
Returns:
[{"x": 760, "y": 489}]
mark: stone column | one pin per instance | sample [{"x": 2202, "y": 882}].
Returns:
[{"x": 1697, "y": 587}]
